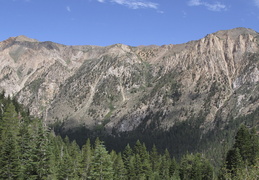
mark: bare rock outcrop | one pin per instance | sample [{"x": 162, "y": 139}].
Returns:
[{"x": 122, "y": 87}]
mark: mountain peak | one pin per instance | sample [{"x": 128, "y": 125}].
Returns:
[
  {"x": 25, "y": 38},
  {"x": 235, "y": 32}
]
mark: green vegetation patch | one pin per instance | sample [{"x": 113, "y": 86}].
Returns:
[{"x": 35, "y": 85}]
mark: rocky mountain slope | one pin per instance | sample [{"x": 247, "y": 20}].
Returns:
[{"x": 121, "y": 87}]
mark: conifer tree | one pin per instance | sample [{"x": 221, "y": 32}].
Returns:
[
  {"x": 9, "y": 152},
  {"x": 244, "y": 153},
  {"x": 165, "y": 165},
  {"x": 248, "y": 145},
  {"x": 54, "y": 155},
  {"x": 243, "y": 142},
  {"x": 119, "y": 170},
  {"x": 143, "y": 167},
  {"x": 65, "y": 170},
  {"x": 138, "y": 167},
  {"x": 195, "y": 167},
  {"x": 131, "y": 172},
  {"x": 127, "y": 159},
  {"x": 207, "y": 169},
  {"x": 10, "y": 121},
  {"x": 86, "y": 159},
  {"x": 155, "y": 161},
  {"x": 254, "y": 149},
  {"x": 75, "y": 158},
  {"x": 9, "y": 157},
  {"x": 234, "y": 161},
  {"x": 173, "y": 170},
  {"x": 101, "y": 163},
  {"x": 113, "y": 156},
  {"x": 42, "y": 152},
  {"x": 27, "y": 157}
]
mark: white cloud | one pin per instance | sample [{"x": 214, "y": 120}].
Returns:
[
  {"x": 256, "y": 3},
  {"x": 68, "y": 9},
  {"x": 134, "y": 4},
  {"x": 217, "y": 6},
  {"x": 194, "y": 3}
]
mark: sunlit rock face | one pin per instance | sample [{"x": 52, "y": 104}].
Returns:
[{"x": 121, "y": 87}]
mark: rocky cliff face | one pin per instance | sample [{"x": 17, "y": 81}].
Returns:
[{"x": 122, "y": 87}]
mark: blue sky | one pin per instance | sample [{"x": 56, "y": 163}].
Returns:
[{"x": 131, "y": 22}]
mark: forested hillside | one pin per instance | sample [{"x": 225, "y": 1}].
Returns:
[
  {"x": 30, "y": 150},
  {"x": 186, "y": 98}
]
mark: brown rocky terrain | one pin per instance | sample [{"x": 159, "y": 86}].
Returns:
[{"x": 122, "y": 87}]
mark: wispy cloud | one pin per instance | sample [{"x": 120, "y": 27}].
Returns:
[
  {"x": 68, "y": 8},
  {"x": 133, "y": 4},
  {"x": 256, "y": 3},
  {"x": 217, "y": 6}
]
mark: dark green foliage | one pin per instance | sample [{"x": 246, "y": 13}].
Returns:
[
  {"x": 119, "y": 168},
  {"x": 35, "y": 85},
  {"x": 9, "y": 157},
  {"x": 173, "y": 169},
  {"x": 28, "y": 150},
  {"x": 195, "y": 167},
  {"x": 10, "y": 121},
  {"x": 234, "y": 161},
  {"x": 86, "y": 158},
  {"x": 101, "y": 163},
  {"x": 155, "y": 161},
  {"x": 248, "y": 145},
  {"x": 242, "y": 142},
  {"x": 183, "y": 137},
  {"x": 244, "y": 153},
  {"x": 254, "y": 148},
  {"x": 24, "y": 144},
  {"x": 41, "y": 152},
  {"x": 65, "y": 170},
  {"x": 127, "y": 159},
  {"x": 165, "y": 165}
]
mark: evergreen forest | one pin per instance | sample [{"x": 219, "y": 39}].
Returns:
[{"x": 29, "y": 149}]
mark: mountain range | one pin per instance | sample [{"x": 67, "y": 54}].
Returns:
[{"x": 121, "y": 88}]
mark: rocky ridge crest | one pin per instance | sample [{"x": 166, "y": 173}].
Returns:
[{"x": 122, "y": 88}]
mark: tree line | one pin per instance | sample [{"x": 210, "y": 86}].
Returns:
[{"x": 31, "y": 150}]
